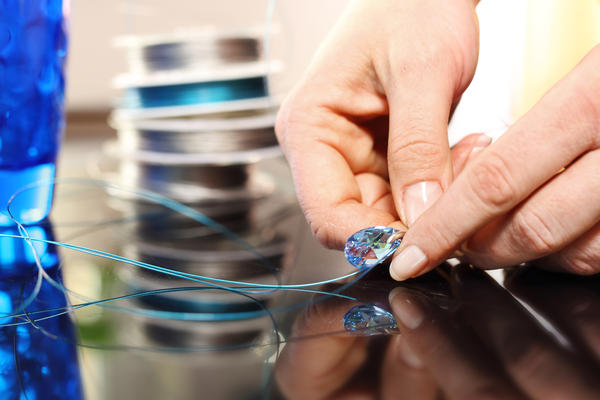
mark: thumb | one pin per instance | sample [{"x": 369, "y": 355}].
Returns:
[{"x": 419, "y": 160}]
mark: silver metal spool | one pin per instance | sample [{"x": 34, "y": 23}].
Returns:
[
  {"x": 204, "y": 176},
  {"x": 193, "y": 53},
  {"x": 196, "y": 142},
  {"x": 232, "y": 263},
  {"x": 167, "y": 224},
  {"x": 155, "y": 223},
  {"x": 219, "y": 262},
  {"x": 197, "y": 184},
  {"x": 190, "y": 334},
  {"x": 225, "y": 109}
]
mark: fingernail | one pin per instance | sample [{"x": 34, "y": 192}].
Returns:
[
  {"x": 418, "y": 198},
  {"x": 407, "y": 263},
  {"x": 405, "y": 309}
]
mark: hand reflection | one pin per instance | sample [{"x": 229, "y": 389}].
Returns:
[
  {"x": 490, "y": 347},
  {"x": 479, "y": 342},
  {"x": 342, "y": 366}
]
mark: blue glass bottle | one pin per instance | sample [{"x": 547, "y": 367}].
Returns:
[
  {"x": 33, "y": 48},
  {"x": 36, "y": 361}
]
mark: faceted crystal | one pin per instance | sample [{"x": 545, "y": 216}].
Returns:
[
  {"x": 371, "y": 246},
  {"x": 368, "y": 319}
]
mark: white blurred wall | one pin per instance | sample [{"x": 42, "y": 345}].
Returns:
[
  {"x": 303, "y": 24},
  {"x": 93, "y": 61}
]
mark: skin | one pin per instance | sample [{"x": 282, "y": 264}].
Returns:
[
  {"x": 369, "y": 121},
  {"x": 371, "y": 114},
  {"x": 516, "y": 206}
]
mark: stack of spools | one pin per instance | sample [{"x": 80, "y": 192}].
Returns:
[
  {"x": 195, "y": 119},
  {"x": 196, "y": 115}
]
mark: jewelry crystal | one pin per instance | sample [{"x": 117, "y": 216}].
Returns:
[
  {"x": 371, "y": 246},
  {"x": 368, "y": 319}
]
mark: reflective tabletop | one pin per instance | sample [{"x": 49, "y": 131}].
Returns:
[{"x": 125, "y": 294}]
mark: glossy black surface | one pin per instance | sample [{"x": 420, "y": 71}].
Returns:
[{"x": 461, "y": 336}]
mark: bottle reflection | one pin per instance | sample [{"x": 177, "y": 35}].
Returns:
[{"x": 38, "y": 358}]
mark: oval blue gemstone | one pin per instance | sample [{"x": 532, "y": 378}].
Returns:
[
  {"x": 368, "y": 319},
  {"x": 371, "y": 246}
]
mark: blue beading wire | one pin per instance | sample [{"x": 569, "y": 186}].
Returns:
[
  {"x": 238, "y": 287},
  {"x": 195, "y": 93}
]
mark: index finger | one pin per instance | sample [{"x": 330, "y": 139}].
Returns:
[
  {"x": 561, "y": 127},
  {"x": 325, "y": 152}
]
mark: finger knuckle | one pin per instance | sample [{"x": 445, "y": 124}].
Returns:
[
  {"x": 433, "y": 57},
  {"x": 420, "y": 154},
  {"x": 321, "y": 234},
  {"x": 533, "y": 233},
  {"x": 444, "y": 238},
  {"x": 491, "y": 183},
  {"x": 321, "y": 230},
  {"x": 583, "y": 265}
]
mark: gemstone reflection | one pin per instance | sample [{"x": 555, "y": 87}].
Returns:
[
  {"x": 368, "y": 319},
  {"x": 371, "y": 246}
]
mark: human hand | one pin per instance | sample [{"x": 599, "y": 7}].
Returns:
[
  {"x": 365, "y": 131},
  {"x": 511, "y": 204}
]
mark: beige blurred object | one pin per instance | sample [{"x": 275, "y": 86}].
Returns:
[{"x": 559, "y": 34}]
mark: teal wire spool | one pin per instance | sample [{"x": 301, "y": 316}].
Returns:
[{"x": 195, "y": 93}]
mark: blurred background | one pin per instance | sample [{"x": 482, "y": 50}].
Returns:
[{"x": 525, "y": 47}]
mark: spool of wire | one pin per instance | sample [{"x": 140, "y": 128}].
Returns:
[
  {"x": 191, "y": 50},
  {"x": 193, "y": 54},
  {"x": 215, "y": 258},
  {"x": 194, "y": 178},
  {"x": 216, "y": 85},
  {"x": 198, "y": 135},
  {"x": 206, "y": 176},
  {"x": 196, "y": 184},
  {"x": 223, "y": 109},
  {"x": 156, "y": 224},
  {"x": 195, "y": 93},
  {"x": 201, "y": 301},
  {"x": 196, "y": 335},
  {"x": 176, "y": 88}
]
